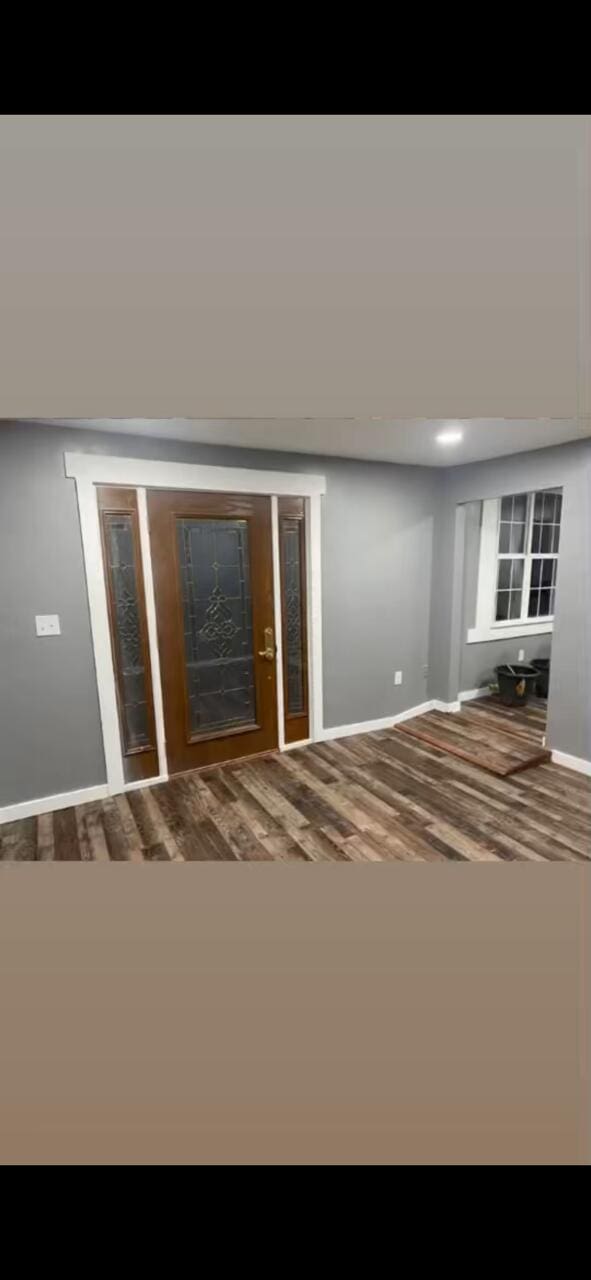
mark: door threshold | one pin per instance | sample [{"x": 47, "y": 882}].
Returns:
[{"x": 222, "y": 764}]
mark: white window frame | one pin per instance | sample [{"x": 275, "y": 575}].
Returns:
[{"x": 487, "y": 627}]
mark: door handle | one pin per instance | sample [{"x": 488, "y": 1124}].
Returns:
[{"x": 269, "y": 651}]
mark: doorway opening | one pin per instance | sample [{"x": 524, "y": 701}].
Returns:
[
  {"x": 204, "y": 590},
  {"x": 507, "y": 567}
]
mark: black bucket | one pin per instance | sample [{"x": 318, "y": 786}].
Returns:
[
  {"x": 516, "y": 683},
  {"x": 542, "y": 666}
]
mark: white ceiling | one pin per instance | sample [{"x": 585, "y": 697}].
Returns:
[{"x": 381, "y": 440}]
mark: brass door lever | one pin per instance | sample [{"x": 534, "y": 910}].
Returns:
[{"x": 269, "y": 651}]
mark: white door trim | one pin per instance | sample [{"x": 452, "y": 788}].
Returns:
[
  {"x": 90, "y": 470},
  {"x": 150, "y": 474},
  {"x": 278, "y": 622},
  {"x": 313, "y": 549},
  {"x": 142, "y": 506},
  {"x": 101, "y": 638}
]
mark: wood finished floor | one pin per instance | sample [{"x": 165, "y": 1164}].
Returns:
[
  {"x": 374, "y": 797},
  {"x": 502, "y": 740},
  {"x": 528, "y": 722}
]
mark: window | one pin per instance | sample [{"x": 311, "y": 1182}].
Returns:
[
  {"x": 520, "y": 539},
  {"x": 529, "y": 535}
]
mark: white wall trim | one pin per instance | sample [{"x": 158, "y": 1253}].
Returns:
[
  {"x": 372, "y": 726},
  {"x": 572, "y": 762},
  {"x": 450, "y": 708},
  {"x": 49, "y": 804},
  {"x": 140, "y": 783},
  {"x": 486, "y": 628},
  {"x": 487, "y": 568},
  {"x": 90, "y": 470},
  {"x": 96, "y": 468},
  {"x": 477, "y": 635},
  {"x": 144, "y": 530},
  {"x": 278, "y": 622},
  {"x": 468, "y": 695},
  {"x": 101, "y": 635},
  {"x": 313, "y": 544}
]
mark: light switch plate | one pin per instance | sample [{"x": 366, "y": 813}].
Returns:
[
  {"x": 47, "y": 624},
  {"x": 397, "y": 677},
  {"x": 521, "y": 655}
]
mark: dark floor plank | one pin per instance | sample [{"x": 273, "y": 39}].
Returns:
[
  {"x": 90, "y": 816},
  {"x": 114, "y": 832},
  {"x": 18, "y": 840},
  {"x": 65, "y": 834},
  {"x": 148, "y": 827}
]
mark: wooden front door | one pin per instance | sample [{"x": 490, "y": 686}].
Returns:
[{"x": 213, "y": 585}]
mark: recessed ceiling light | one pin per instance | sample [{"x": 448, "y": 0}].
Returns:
[{"x": 452, "y": 436}]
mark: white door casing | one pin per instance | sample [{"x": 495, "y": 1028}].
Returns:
[{"x": 91, "y": 470}]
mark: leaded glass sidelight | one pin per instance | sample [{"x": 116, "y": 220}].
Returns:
[
  {"x": 217, "y": 624},
  {"x": 291, "y": 549},
  {"x": 127, "y": 636}
]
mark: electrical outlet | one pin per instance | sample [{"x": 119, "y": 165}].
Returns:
[
  {"x": 47, "y": 624},
  {"x": 397, "y": 677},
  {"x": 521, "y": 655}
]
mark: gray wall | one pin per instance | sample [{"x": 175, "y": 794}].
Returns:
[
  {"x": 569, "y": 722},
  {"x": 376, "y": 555},
  {"x": 478, "y": 661}
]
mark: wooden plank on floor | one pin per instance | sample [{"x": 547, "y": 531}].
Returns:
[
  {"x": 219, "y": 807},
  {"x": 45, "y": 839},
  {"x": 18, "y": 840},
  {"x": 114, "y": 833},
  {"x": 492, "y": 720},
  {"x": 498, "y": 753},
  {"x": 91, "y": 833},
  {"x": 133, "y": 838},
  {"x": 65, "y": 834}
]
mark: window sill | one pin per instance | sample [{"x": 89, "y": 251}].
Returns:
[{"x": 480, "y": 635}]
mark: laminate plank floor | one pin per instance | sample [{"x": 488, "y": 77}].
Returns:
[
  {"x": 370, "y": 798},
  {"x": 527, "y": 722},
  {"x": 500, "y": 739}
]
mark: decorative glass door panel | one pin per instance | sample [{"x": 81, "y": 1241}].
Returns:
[
  {"x": 217, "y": 617},
  {"x": 213, "y": 581},
  {"x": 292, "y": 555},
  {"x": 129, "y": 638}
]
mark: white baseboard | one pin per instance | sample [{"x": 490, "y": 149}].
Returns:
[
  {"x": 469, "y": 694},
  {"x": 449, "y": 707},
  {"x": 572, "y": 762},
  {"x": 49, "y": 804},
  {"x": 372, "y": 726},
  {"x": 144, "y": 782}
]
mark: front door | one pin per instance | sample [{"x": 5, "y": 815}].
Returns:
[{"x": 213, "y": 585}]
